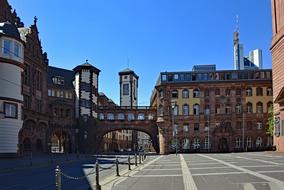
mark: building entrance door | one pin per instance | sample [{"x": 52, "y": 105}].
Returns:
[{"x": 223, "y": 145}]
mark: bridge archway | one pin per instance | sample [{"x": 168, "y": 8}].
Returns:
[{"x": 153, "y": 136}]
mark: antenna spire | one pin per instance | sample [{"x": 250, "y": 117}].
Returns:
[
  {"x": 128, "y": 62},
  {"x": 237, "y": 23}
]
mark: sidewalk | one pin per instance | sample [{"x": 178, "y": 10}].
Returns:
[{"x": 36, "y": 161}]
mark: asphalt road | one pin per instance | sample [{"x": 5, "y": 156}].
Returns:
[
  {"x": 234, "y": 171},
  {"x": 44, "y": 177}
]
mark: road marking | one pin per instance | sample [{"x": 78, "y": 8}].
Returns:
[
  {"x": 173, "y": 175},
  {"x": 159, "y": 165},
  {"x": 156, "y": 169},
  {"x": 202, "y": 163},
  {"x": 278, "y": 183},
  {"x": 254, "y": 159},
  {"x": 221, "y": 173},
  {"x": 259, "y": 166},
  {"x": 206, "y": 168},
  {"x": 271, "y": 171},
  {"x": 122, "y": 178},
  {"x": 188, "y": 181}
]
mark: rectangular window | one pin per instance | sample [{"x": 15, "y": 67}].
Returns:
[
  {"x": 259, "y": 125},
  {"x": 6, "y": 47},
  {"x": 125, "y": 89},
  {"x": 164, "y": 77},
  {"x": 11, "y": 110},
  {"x": 49, "y": 93},
  {"x": 196, "y": 127},
  {"x": 17, "y": 49}
]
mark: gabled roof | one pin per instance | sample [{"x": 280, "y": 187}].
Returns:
[{"x": 68, "y": 76}]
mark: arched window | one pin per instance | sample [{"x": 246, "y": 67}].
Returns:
[
  {"x": 249, "y": 92},
  {"x": 238, "y": 142},
  {"x": 249, "y": 142},
  {"x": 196, "y": 143},
  {"x": 218, "y": 109},
  {"x": 259, "y": 107},
  {"x": 150, "y": 116},
  {"x": 269, "y": 106},
  {"x": 185, "y": 93},
  {"x": 207, "y": 92},
  {"x": 121, "y": 116},
  {"x": 196, "y": 109},
  {"x": 228, "y": 109},
  {"x": 227, "y": 92},
  {"x": 196, "y": 93},
  {"x": 217, "y": 92},
  {"x": 249, "y": 107},
  {"x": 131, "y": 117},
  {"x": 269, "y": 91},
  {"x": 161, "y": 111},
  {"x": 110, "y": 116},
  {"x": 101, "y": 116},
  {"x": 175, "y": 110},
  {"x": 174, "y": 94},
  {"x": 185, "y": 128},
  {"x": 207, "y": 109},
  {"x": 238, "y": 108},
  {"x": 185, "y": 109},
  {"x": 141, "y": 116},
  {"x": 258, "y": 142},
  {"x": 185, "y": 144},
  {"x": 206, "y": 143},
  {"x": 238, "y": 92}
]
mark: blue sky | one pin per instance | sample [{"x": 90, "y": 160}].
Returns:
[{"x": 154, "y": 35}]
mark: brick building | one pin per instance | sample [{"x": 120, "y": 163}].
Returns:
[
  {"x": 213, "y": 111},
  {"x": 277, "y": 51}
]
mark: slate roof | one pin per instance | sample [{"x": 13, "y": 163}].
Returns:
[
  {"x": 10, "y": 30},
  {"x": 87, "y": 65},
  {"x": 128, "y": 71},
  {"x": 67, "y": 74}
]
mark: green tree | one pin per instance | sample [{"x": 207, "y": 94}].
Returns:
[{"x": 270, "y": 122}]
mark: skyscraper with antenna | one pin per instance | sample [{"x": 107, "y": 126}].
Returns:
[
  {"x": 238, "y": 49},
  {"x": 241, "y": 62}
]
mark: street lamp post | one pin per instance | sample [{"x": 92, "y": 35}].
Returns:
[
  {"x": 173, "y": 104},
  {"x": 243, "y": 130},
  {"x": 207, "y": 112}
]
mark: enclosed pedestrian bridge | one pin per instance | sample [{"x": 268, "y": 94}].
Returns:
[{"x": 112, "y": 118}]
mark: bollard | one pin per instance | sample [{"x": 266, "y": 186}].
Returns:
[
  {"x": 135, "y": 159},
  {"x": 139, "y": 158},
  {"x": 117, "y": 169},
  {"x": 98, "y": 186},
  {"x": 57, "y": 178},
  {"x": 129, "y": 167},
  {"x": 142, "y": 157}
]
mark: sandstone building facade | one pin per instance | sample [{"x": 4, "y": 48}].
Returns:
[{"x": 213, "y": 110}]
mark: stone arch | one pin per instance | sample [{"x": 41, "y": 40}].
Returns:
[
  {"x": 60, "y": 141},
  {"x": 152, "y": 131}
]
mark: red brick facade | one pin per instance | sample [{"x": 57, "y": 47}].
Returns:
[{"x": 277, "y": 51}]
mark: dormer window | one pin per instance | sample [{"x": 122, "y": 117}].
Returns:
[{"x": 58, "y": 80}]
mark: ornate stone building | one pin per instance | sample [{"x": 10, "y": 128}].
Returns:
[
  {"x": 213, "y": 110},
  {"x": 277, "y": 51}
]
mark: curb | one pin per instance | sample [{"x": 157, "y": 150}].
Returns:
[{"x": 40, "y": 165}]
